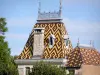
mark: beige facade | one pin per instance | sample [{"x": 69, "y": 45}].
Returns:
[
  {"x": 88, "y": 70},
  {"x": 22, "y": 69}
]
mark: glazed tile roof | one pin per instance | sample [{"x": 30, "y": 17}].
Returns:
[
  {"x": 59, "y": 49},
  {"x": 83, "y": 55}
]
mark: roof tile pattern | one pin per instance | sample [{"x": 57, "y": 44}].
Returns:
[
  {"x": 83, "y": 56},
  {"x": 27, "y": 51},
  {"x": 58, "y": 50}
]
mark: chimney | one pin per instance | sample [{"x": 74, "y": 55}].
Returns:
[{"x": 38, "y": 44}]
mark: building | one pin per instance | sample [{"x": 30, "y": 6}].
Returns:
[
  {"x": 85, "y": 60},
  {"x": 49, "y": 42}
]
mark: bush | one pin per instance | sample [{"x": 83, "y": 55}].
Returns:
[{"x": 42, "y": 68}]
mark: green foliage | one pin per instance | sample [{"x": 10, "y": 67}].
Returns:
[
  {"x": 3, "y": 25},
  {"x": 15, "y": 56},
  {"x": 7, "y": 66},
  {"x": 42, "y": 68},
  {"x": 71, "y": 72}
]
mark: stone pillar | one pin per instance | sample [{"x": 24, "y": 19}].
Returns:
[
  {"x": 38, "y": 45},
  {"x": 24, "y": 70}
]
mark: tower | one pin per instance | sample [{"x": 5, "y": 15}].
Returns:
[
  {"x": 51, "y": 24},
  {"x": 48, "y": 41}
]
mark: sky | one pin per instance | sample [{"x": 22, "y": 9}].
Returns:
[{"x": 81, "y": 18}]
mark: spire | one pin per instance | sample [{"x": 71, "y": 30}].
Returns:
[
  {"x": 78, "y": 42},
  {"x": 60, "y": 9},
  {"x": 90, "y": 42},
  {"x": 93, "y": 43},
  {"x": 39, "y": 8}
]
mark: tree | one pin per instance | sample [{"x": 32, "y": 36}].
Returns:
[
  {"x": 7, "y": 66},
  {"x": 42, "y": 68},
  {"x": 15, "y": 57}
]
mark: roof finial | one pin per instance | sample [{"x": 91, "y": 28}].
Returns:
[
  {"x": 93, "y": 43},
  {"x": 90, "y": 42},
  {"x": 60, "y": 9},
  {"x": 78, "y": 42},
  {"x": 39, "y": 8}
]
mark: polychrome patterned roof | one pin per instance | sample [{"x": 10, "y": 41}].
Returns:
[
  {"x": 82, "y": 55},
  {"x": 59, "y": 49}
]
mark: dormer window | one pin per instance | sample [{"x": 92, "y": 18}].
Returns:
[
  {"x": 51, "y": 40},
  {"x": 66, "y": 40}
]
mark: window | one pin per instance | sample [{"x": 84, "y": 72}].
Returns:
[
  {"x": 27, "y": 70},
  {"x": 51, "y": 40},
  {"x": 66, "y": 41}
]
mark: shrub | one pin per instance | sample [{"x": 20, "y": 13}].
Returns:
[{"x": 42, "y": 68}]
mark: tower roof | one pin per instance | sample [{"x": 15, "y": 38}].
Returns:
[
  {"x": 83, "y": 55},
  {"x": 51, "y": 22},
  {"x": 59, "y": 49}
]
